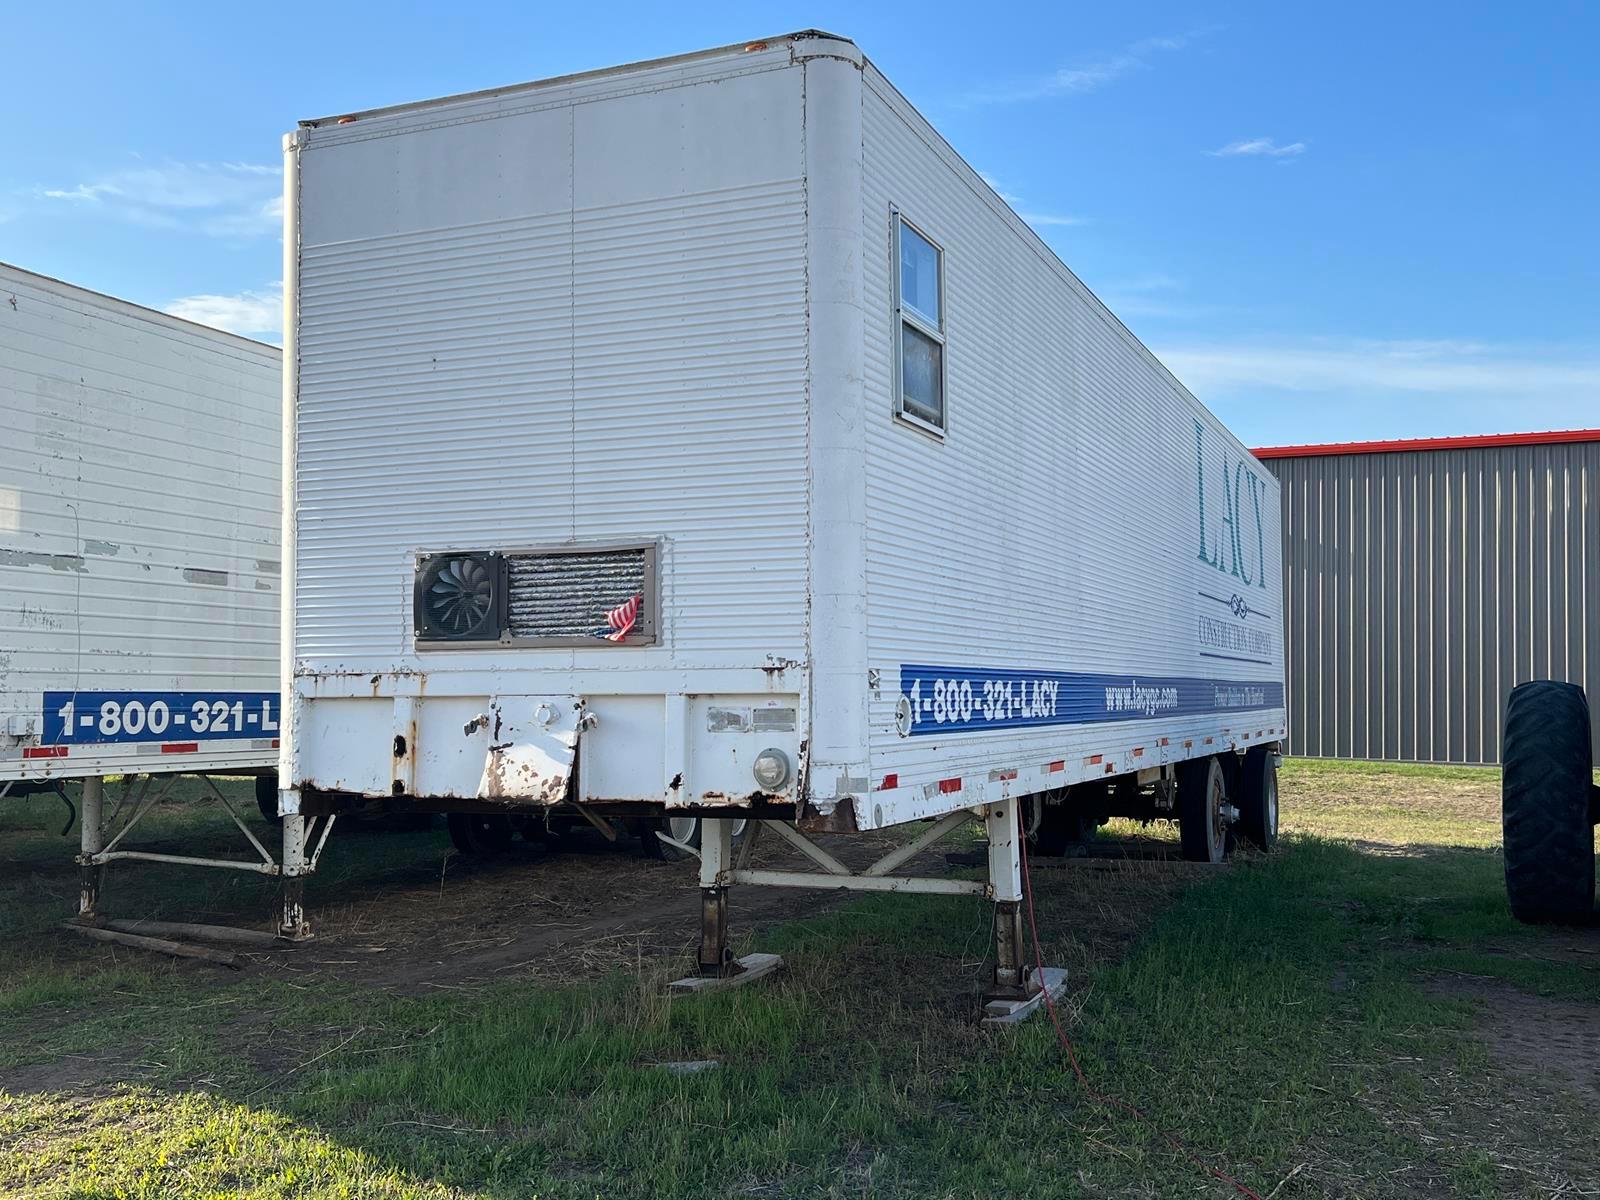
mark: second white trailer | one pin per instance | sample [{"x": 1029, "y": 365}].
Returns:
[
  {"x": 139, "y": 561},
  {"x": 705, "y": 435}
]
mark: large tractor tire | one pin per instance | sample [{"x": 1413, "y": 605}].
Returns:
[
  {"x": 1546, "y": 803},
  {"x": 1203, "y": 833},
  {"x": 1258, "y": 797}
]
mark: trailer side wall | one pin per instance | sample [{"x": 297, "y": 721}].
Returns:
[{"x": 1081, "y": 576}]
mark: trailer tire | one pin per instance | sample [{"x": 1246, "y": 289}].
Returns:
[
  {"x": 1545, "y": 798},
  {"x": 267, "y": 798},
  {"x": 1258, "y": 797},
  {"x": 1060, "y": 827},
  {"x": 480, "y": 834},
  {"x": 1202, "y": 791},
  {"x": 681, "y": 829}
]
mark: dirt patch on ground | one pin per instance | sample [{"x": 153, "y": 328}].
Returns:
[
  {"x": 72, "y": 1072},
  {"x": 1541, "y": 1040},
  {"x": 582, "y": 912}
]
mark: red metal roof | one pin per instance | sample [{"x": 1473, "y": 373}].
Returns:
[{"x": 1469, "y": 442}]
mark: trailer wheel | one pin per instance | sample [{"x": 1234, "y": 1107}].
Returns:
[
  {"x": 680, "y": 829},
  {"x": 1258, "y": 797},
  {"x": 1202, "y": 793},
  {"x": 1545, "y": 800},
  {"x": 482, "y": 834},
  {"x": 267, "y": 798},
  {"x": 1060, "y": 826}
]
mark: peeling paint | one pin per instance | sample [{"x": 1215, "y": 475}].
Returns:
[
  {"x": 269, "y": 566},
  {"x": 106, "y": 549},
  {"x": 207, "y": 577},
  {"x": 32, "y": 558}
]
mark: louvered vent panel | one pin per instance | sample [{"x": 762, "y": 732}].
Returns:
[{"x": 566, "y": 595}]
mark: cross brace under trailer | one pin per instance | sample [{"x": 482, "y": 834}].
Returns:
[
  {"x": 102, "y": 837},
  {"x": 1016, "y": 989}
]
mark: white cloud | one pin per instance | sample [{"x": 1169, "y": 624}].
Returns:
[
  {"x": 1258, "y": 148},
  {"x": 252, "y": 313},
  {"x": 221, "y": 200},
  {"x": 1155, "y": 295},
  {"x": 1350, "y": 367},
  {"x": 1039, "y": 220},
  {"x": 1089, "y": 75}
]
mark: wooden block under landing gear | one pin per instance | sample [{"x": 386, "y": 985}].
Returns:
[
  {"x": 753, "y": 967},
  {"x": 1008, "y": 1012}
]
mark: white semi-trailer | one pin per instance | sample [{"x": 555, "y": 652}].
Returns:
[
  {"x": 706, "y": 437},
  {"x": 139, "y": 561}
]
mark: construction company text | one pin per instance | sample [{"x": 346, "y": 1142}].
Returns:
[{"x": 1236, "y": 544}]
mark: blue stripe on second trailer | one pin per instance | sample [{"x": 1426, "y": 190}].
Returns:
[{"x": 100, "y": 718}]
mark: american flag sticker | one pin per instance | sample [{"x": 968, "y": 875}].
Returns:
[{"x": 621, "y": 620}]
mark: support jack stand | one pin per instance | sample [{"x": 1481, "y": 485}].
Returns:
[
  {"x": 748, "y": 969},
  {"x": 1009, "y": 1010}
]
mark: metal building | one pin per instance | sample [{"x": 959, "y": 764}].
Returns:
[{"x": 1424, "y": 579}]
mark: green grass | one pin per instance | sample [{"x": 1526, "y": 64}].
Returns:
[{"x": 1292, "y": 1018}]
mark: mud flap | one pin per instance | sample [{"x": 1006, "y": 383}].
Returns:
[{"x": 533, "y": 741}]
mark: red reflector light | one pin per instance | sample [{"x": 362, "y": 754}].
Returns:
[
  {"x": 44, "y": 752},
  {"x": 889, "y": 782},
  {"x": 949, "y": 785},
  {"x": 179, "y": 747},
  {"x": 1058, "y": 765}
]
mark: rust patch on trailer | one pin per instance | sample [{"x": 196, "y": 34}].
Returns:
[
  {"x": 841, "y": 818},
  {"x": 508, "y": 778}
]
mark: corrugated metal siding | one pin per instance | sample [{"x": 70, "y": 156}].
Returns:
[
  {"x": 138, "y": 500},
  {"x": 568, "y": 323},
  {"x": 1054, "y": 526},
  {"x": 1422, "y": 586}
]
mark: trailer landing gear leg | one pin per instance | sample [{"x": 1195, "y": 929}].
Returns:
[
  {"x": 1018, "y": 990},
  {"x": 717, "y": 966},
  {"x": 292, "y": 923},
  {"x": 91, "y": 875}
]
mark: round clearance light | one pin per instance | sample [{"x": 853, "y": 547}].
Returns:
[{"x": 771, "y": 769}]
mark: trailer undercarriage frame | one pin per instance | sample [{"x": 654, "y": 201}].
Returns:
[
  {"x": 101, "y": 838},
  {"x": 1015, "y": 989}
]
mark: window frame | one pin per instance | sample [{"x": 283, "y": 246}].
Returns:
[{"x": 904, "y": 315}]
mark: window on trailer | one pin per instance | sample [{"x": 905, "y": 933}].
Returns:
[{"x": 919, "y": 327}]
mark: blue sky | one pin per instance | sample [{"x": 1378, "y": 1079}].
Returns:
[{"x": 1333, "y": 222}]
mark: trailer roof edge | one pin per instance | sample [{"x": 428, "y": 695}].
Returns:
[{"x": 529, "y": 85}]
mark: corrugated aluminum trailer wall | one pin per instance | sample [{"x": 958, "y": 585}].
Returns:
[
  {"x": 1421, "y": 586},
  {"x": 139, "y": 566}
]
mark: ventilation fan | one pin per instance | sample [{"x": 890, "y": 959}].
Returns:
[{"x": 459, "y": 597}]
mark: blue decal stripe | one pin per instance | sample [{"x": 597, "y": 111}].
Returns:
[
  {"x": 953, "y": 699},
  {"x": 104, "y": 718}
]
